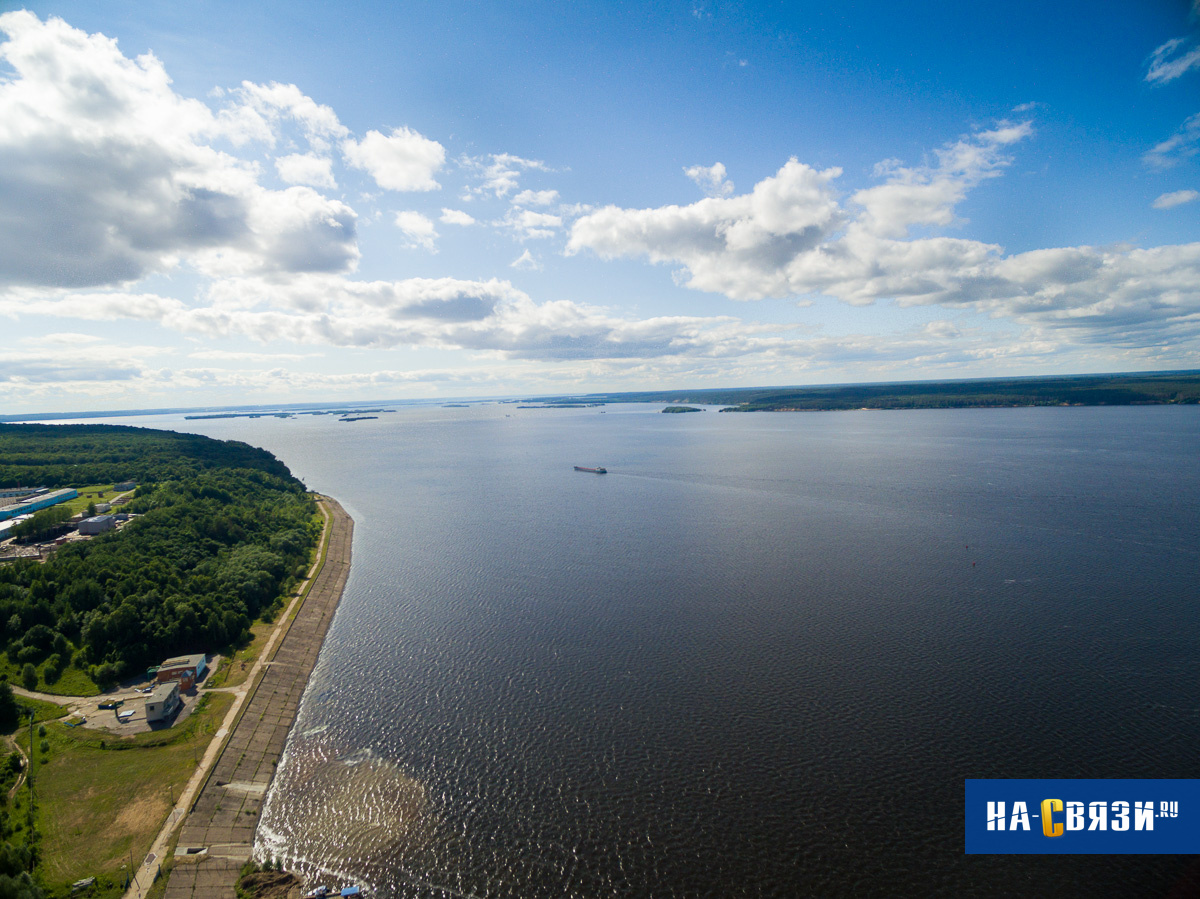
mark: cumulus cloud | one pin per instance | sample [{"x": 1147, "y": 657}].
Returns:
[
  {"x": 1175, "y": 198},
  {"x": 261, "y": 108},
  {"x": 455, "y": 217},
  {"x": 417, "y": 229},
  {"x": 107, "y": 175},
  {"x": 790, "y": 237},
  {"x": 739, "y": 246},
  {"x": 446, "y": 313},
  {"x": 927, "y": 195},
  {"x": 490, "y": 317},
  {"x": 711, "y": 179},
  {"x": 1183, "y": 144},
  {"x": 306, "y": 168},
  {"x": 405, "y": 160},
  {"x": 1172, "y": 60}
]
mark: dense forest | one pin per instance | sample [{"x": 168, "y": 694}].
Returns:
[
  {"x": 76, "y": 455},
  {"x": 1152, "y": 388},
  {"x": 220, "y": 532}
]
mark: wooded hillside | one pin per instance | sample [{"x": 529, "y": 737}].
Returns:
[{"x": 221, "y": 531}]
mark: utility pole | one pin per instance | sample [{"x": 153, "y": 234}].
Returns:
[
  {"x": 31, "y": 764},
  {"x": 33, "y": 852}
]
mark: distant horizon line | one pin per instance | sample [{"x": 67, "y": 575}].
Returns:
[{"x": 351, "y": 405}]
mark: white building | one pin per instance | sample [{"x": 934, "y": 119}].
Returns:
[{"x": 162, "y": 702}]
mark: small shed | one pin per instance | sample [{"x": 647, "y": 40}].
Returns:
[
  {"x": 186, "y": 669},
  {"x": 162, "y": 702}
]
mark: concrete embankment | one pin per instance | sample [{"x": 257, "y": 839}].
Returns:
[{"x": 219, "y": 828}]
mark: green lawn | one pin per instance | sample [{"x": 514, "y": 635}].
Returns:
[
  {"x": 100, "y": 493},
  {"x": 102, "y": 799},
  {"x": 72, "y": 682}
]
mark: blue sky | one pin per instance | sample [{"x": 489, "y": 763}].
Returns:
[{"x": 214, "y": 203}]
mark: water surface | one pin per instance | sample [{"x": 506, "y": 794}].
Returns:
[{"x": 757, "y": 658}]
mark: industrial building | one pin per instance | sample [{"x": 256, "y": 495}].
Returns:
[
  {"x": 89, "y": 527},
  {"x": 13, "y": 492},
  {"x": 37, "y": 502},
  {"x": 187, "y": 670},
  {"x": 163, "y": 701}
]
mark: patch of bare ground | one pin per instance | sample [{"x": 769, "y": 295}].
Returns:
[{"x": 269, "y": 885}]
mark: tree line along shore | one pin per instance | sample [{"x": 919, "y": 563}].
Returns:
[
  {"x": 1153, "y": 388},
  {"x": 220, "y": 534}
]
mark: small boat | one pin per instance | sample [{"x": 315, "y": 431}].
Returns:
[
  {"x": 317, "y": 892},
  {"x": 598, "y": 470}
]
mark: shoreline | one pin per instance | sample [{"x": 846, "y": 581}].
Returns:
[{"x": 217, "y": 834}]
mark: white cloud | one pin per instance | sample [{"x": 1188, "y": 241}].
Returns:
[
  {"x": 90, "y": 306},
  {"x": 527, "y": 262},
  {"x": 789, "y": 237},
  {"x": 245, "y": 356},
  {"x": 927, "y": 195},
  {"x": 277, "y": 100},
  {"x": 259, "y": 113},
  {"x": 1167, "y": 64},
  {"x": 1183, "y": 144},
  {"x": 711, "y": 179},
  {"x": 527, "y": 224},
  {"x": 739, "y": 246},
  {"x": 455, "y": 217},
  {"x": 498, "y": 173},
  {"x": 417, "y": 229},
  {"x": 489, "y": 317},
  {"x": 535, "y": 198},
  {"x": 106, "y": 174},
  {"x": 1176, "y": 198},
  {"x": 404, "y": 160},
  {"x": 292, "y": 230},
  {"x": 305, "y": 168}
]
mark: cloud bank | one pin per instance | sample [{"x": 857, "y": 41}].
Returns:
[
  {"x": 111, "y": 182},
  {"x": 791, "y": 237}
]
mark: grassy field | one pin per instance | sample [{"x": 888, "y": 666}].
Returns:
[
  {"x": 101, "y": 799},
  {"x": 235, "y": 668},
  {"x": 72, "y": 682},
  {"x": 97, "y": 493}
]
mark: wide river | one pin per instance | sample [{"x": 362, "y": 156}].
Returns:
[{"x": 759, "y": 657}]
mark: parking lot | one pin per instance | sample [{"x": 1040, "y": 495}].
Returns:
[{"x": 117, "y": 720}]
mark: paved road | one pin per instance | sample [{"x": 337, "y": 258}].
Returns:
[{"x": 229, "y": 786}]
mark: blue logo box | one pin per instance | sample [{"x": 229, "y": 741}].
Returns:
[{"x": 1111, "y": 817}]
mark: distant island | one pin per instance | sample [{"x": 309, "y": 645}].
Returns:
[
  {"x": 1152, "y": 388},
  {"x": 681, "y": 409}
]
